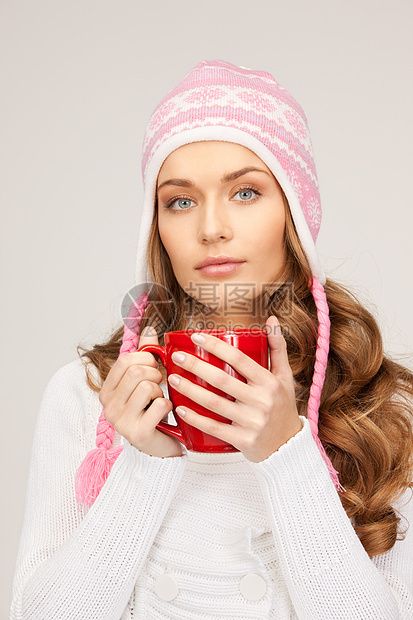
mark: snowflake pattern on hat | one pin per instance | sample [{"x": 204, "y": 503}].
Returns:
[
  {"x": 296, "y": 122},
  {"x": 220, "y": 94},
  {"x": 203, "y": 96},
  {"x": 160, "y": 115},
  {"x": 314, "y": 215},
  {"x": 258, "y": 104}
]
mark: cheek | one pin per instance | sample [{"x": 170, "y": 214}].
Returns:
[
  {"x": 271, "y": 249},
  {"x": 168, "y": 236},
  {"x": 269, "y": 234},
  {"x": 177, "y": 250},
  {"x": 277, "y": 236}
]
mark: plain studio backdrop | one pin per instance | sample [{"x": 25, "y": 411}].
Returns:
[{"x": 79, "y": 81}]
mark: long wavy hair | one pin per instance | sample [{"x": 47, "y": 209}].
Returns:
[{"x": 366, "y": 411}]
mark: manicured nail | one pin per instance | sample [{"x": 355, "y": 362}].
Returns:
[
  {"x": 180, "y": 411},
  {"x": 178, "y": 357},
  {"x": 198, "y": 338},
  {"x": 174, "y": 379}
]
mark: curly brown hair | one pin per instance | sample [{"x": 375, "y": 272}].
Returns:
[{"x": 366, "y": 412}]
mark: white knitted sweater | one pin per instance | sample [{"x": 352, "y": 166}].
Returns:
[{"x": 201, "y": 536}]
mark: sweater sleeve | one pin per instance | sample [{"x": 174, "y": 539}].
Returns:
[
  {"x": 76, "y": 563},
  {"x": 326, "y": 569}
]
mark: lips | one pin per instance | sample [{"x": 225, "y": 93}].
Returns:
[
  {"x": 222, "y": 269},
  {"x": 218, "y": 260}
]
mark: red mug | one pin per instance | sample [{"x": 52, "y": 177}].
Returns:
[{"x": 252, "y": 342}]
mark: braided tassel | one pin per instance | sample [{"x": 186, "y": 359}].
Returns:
[
  {"x": 96, "y": 466},
  {"x": 320, "y": 366}
]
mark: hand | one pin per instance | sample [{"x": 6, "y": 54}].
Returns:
[
  {"x": 264, "y": 415},
  {"x": 132, "y": 383}
]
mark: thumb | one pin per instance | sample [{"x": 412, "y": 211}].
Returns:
[
  {"x": 279, "y": 363},
  {"x": 148, "y": 336}
]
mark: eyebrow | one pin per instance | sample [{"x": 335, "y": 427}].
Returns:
[{"x": 225, "y": 179}]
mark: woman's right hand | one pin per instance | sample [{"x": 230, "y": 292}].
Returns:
[{"x": 132, "y": 383}]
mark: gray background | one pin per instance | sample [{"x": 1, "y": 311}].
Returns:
[{"x": 79, "y": 81}]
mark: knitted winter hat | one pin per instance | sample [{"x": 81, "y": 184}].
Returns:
[{"x": 220, "y": 101}]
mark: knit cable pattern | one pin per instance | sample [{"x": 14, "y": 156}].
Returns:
[{"x": 95, "y": 468}]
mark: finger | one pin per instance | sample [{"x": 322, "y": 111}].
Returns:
[
  {"x": 205, "y": 398},
  {"x": 133, "y": 378},
  {"x": 141, "y": 425},
  {"x": 216, "y": 377},
  {"x": 222, "y": 430},
  {"x": 158, "y": 410},
  {"x": 241, "y": 362},
  {"x": 128, "y": 412},
  {"x": 279, "y": 363},
  {"x": 126, "y": 374},
  {"x": 148, "y": 336},
  {"x": 125, "y": 360}
]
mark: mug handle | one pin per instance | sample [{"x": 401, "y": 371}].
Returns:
[{"x": 173, "y": 431}]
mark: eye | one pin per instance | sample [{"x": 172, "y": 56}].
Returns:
[
  {"x": 180, "y": 200},
  {"x": 184, "y": 203},
  {"x": 246, "y": 194}
]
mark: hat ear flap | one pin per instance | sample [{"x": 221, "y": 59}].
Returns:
[
  {"x": 96, "y": 466},
  {"x": 320, "y": 367}
]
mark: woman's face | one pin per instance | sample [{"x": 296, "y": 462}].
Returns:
[{"x": 210, "y": 205}]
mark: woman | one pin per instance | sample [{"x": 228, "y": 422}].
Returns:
[{"x": 308, "y": 519}]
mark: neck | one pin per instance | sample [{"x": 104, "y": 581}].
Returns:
[{"x": 228, "y": 319}]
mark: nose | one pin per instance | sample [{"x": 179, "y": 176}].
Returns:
[{"x": 214, "y": 224}]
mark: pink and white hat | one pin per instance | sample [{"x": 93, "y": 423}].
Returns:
[{"x": 220, "y": 101}]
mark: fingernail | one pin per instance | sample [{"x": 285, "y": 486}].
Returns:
[
  {"x": 180, "y": 411},
  {"x": 174, "y": 379},
  {"x": 198, "y": 338},
  {"x": 178, "y": 357}
]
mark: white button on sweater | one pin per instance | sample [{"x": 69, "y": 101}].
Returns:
[
  {"x": 206, "y": 536},
  {"x": 166, "y": 587},
  {"x": 253, "y": 587}
]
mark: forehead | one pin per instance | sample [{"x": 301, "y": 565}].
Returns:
[{"x": 213, "y": 154}]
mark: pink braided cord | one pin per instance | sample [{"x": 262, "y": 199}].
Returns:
[
  {"x": 320, "y": 367},
  {"x": 96, "y": 466}
]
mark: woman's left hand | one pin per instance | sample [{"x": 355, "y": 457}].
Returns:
[{"x": 264, "y": 415}]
